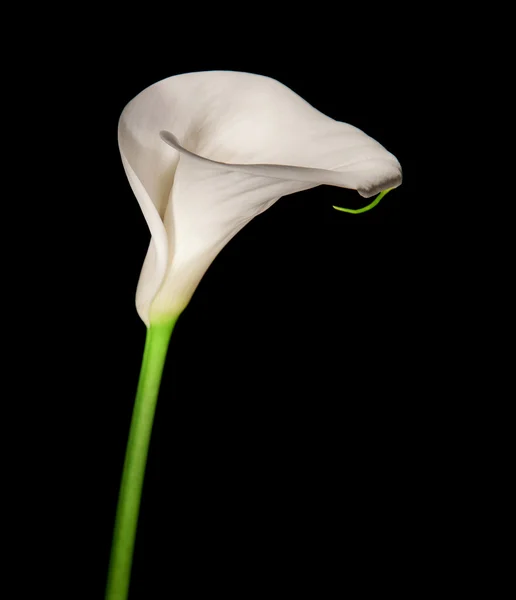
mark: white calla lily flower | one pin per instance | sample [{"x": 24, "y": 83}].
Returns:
[{"x": 206, "y": 152}]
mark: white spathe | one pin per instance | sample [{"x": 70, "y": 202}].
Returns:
[{"x": 206, "y": 152}]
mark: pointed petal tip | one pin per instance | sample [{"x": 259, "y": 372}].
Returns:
[{"x": 390, "y": 181}]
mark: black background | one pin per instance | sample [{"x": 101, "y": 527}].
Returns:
[{"x": 291, "y": 437}]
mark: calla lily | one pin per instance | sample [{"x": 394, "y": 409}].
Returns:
[{"x": 206, "y": 152}]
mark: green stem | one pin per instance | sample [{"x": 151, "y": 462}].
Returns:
[{"x": 156, "y": 345}]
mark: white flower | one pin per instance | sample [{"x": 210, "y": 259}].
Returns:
[{"x": 206, "y": 152}]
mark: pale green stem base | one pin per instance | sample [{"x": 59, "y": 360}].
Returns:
[{"x": 156, "y": 345}]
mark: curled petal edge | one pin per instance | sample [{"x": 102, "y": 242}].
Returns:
[
  {"x": 346, "y": 176},
  {"x": 149, "y": 286}
]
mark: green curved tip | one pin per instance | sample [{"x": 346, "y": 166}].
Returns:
[{"x": 366, "y": 208}]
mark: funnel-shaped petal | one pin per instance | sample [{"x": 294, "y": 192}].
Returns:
[{"x": 207, "y": 152}]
